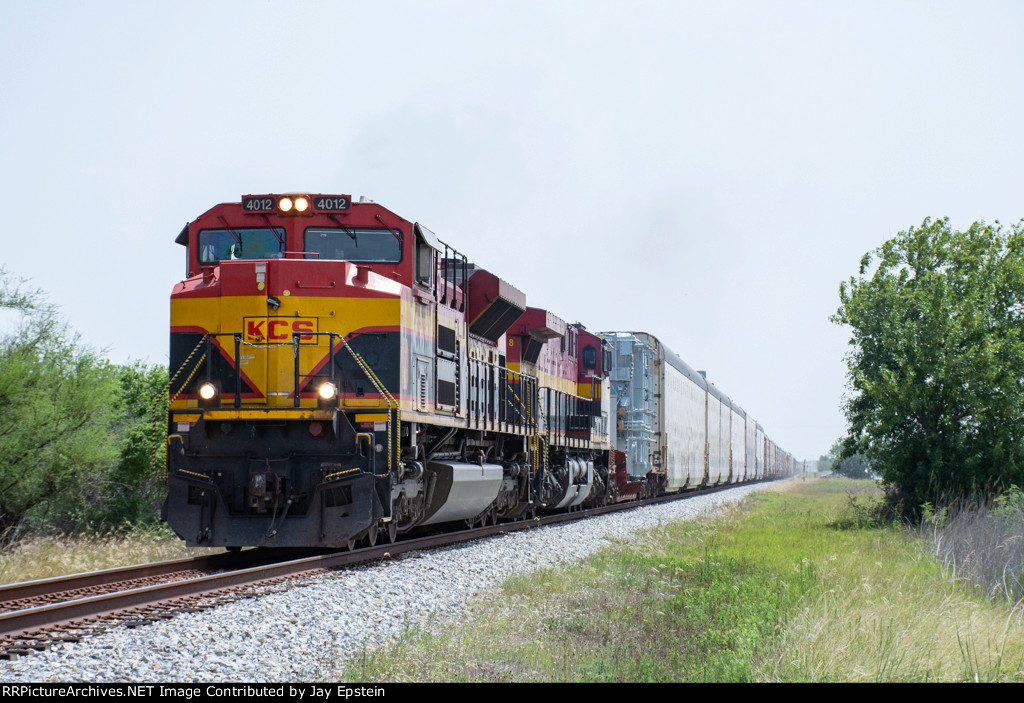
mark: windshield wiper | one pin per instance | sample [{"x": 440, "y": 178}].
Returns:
[
  {"x": 345, "y": 229},
  {"x": 238, "y": 240},
  {"x": 395, "y": 232}
]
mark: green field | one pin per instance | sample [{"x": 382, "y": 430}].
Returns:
[{"x": 794, "y": 585}]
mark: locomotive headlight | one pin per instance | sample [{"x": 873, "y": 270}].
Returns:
[
  {"x": 327, "y": 395},
  {"x": 209, "y": 395},
  {"x": 301, "y": 204},
  {"x": 285, "y": 204}
]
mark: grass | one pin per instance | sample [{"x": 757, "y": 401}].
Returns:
[
  {"x": 795, "y": 585},
  {"x": 982, "y": 543},
  {"x": 886, "y": 611},
  {"x": 38, "y": 557}
]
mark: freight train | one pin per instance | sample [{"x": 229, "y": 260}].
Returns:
[{"x": 339, "y": 375}]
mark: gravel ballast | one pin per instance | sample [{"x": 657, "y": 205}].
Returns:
[{"x": 290, "y": 633}]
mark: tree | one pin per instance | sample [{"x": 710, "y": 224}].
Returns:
[
  {"x": 936, "y": 366},
  {"x": 134, "y": 490},
  {"x": 855, "y": 466},
  {"x": 56, "y": 396},
  {"x": 76, "y": 432}
]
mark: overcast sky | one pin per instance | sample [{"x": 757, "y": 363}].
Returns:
[{"x": 708, "y": 171}]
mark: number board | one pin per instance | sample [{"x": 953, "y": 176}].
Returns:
[
  {"x": 331, "y": 203},
  {"x": 259, "y": 203}
]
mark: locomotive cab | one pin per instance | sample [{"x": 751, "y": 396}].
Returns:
[{"x": 279, "y": 436}]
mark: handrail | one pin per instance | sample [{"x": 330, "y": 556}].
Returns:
[{"x": 170, "y": 399}]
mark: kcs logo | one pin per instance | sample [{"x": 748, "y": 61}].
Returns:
[{"x": 279, "y": 329}]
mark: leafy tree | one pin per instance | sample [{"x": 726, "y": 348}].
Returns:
[
  {"x": 936, "y": 366},
  {"x": 134, "y": 491},
  {"x": 56, "y": 397},
  {"x": 855, "y": 466},
  {"x": 76, "y": 437}
]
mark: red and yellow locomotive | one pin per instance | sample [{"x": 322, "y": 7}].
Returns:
[{"x": 340, "y": 374}]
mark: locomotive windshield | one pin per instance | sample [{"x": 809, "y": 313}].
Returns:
[
  {"x": 356, "y": 244},
  {"x": 224, "y": 244}
]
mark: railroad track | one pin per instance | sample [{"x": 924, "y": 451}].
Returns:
[{"x": 37, "y": 614}]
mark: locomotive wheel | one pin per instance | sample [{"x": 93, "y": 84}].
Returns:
[
  {"x": 371, "y": 536},
  {"x": 352, "y": 544},
  {"x": 391, "y": 531}
]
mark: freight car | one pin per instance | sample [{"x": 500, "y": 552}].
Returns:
[
  {"x": 340, "y": 374},
  {"x": 675, "y": 430}
]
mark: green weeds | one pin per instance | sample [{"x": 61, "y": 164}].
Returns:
[{"x": 802, "y": 585}]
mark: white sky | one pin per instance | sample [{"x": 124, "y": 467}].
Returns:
[{"x": 705, "y": 171}]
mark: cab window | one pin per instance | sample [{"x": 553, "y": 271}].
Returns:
[
  {"x": 216, "y": 245},
  {"x": 424, "y": 263},
  {"x": 356, "y": 244}
]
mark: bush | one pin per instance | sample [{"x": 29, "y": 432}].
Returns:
[
  {"x": 56, "y": 400},
  {"x": 74, "y": 428}
]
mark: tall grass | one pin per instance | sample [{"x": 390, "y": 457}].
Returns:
[
  {"x": 885, "y": 610},
  {"x": 983, "y": 542},
  {"x": 44, "y": 556}
]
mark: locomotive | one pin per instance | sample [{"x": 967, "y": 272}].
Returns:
[{"x": 340, "y": 375}]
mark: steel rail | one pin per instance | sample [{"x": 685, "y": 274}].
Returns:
[
  {"x": 72, "y": 582},
  {"x": 22, "y": 622}
]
